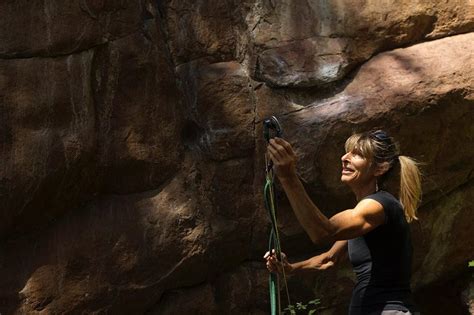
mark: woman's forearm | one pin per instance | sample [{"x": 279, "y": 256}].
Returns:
[
  {"x": 323, "y": 261},
  {"x": 338, "y": 251},
  {"x": 304, "y": 266},
  {"x": 314, "y": 222}
]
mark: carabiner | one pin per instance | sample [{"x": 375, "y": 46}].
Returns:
[{"x": 271, "y": 124}]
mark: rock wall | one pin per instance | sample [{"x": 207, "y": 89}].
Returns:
[{"x": 132, "y": 155}]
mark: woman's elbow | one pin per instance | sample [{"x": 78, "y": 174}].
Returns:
[
  {"x": 323, "y": 235},
  {"x": 323, "y": 240}
]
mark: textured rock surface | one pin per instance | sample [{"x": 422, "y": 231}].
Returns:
[
  {"x": 220, "y": 113},
  {"x": 52, "y": 27},
  {"x": 441, "y": 262},
  {"x": 48, "y": 137},
  {"x": 318, "y": 42},
  {"x": 203, "y": 29},
  {"x": 132, "y": 156},
  {"x": 96, "y": 120},
  {"x": 138, "y": 113}
]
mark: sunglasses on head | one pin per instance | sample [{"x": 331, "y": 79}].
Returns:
[{"x": 380, "y": 136}]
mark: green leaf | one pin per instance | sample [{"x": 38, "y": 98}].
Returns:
[
  {"x": 300, "y": 306},
  {"x": 310, "y": 306},
  {"x": 314, "y": 302},
  {"x": 471, "y": 263}
]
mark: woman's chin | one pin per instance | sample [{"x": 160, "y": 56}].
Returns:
[{"x": 345, "y": 179}]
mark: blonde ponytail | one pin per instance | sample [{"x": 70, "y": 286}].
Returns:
[{"x": 410, "y": 186}]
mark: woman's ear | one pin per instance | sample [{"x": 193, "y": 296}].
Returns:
[{"x": 382, "y": 168}]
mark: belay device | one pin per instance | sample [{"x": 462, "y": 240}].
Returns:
[
  {"x": 271, "y": 124},
  {"x": 271, "y": 129}
]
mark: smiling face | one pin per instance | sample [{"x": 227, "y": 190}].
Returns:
[
  {"x": 368, "y": 157},
  {"x": 356, "y": 169}
]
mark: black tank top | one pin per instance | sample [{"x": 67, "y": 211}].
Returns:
[{"x": 382, "y": 262}]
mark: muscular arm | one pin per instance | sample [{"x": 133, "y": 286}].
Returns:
[
  {"x": 366, "y": 216},
  {"x": 314, "y": 222},
  {"x": 317, "y": 263},
  {"x": 348, "y": 224},
  {"x": 322, "y": 262}
]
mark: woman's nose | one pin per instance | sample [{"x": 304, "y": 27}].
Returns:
[{"x": 345, "y": 157}]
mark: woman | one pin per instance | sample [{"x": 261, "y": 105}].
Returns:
[{"x": 375, "y": 233}]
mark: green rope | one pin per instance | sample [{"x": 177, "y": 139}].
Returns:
[
  {"x": 272, "y": 124},
  {"x": 274, "y": 243}
]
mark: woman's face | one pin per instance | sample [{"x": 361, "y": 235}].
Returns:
[{"x": 356, "y": 169}]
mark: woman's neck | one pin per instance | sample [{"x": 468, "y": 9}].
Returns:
[{"x": 363, "y": 191}]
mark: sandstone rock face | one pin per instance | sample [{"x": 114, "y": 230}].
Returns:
[
  {"x": 133, "y": 157},
  {"x": 47, "y": 135},
  {"x": 79, "y": 121},
  {"x": 442, "y": 258},
  {"x": 137, "y": 113},
  {"x": 196, "y": 29},
  {"x": 220, "y": 110},
  {"x": 318, "y": 42},
  {"x": 51, "y": 27}
]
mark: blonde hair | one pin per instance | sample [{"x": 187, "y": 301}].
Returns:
[{"x": 377, "y": 147}]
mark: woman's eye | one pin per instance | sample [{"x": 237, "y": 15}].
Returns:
[{"x": 357, "y": 154}]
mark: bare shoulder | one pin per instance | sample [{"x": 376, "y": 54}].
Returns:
[
  {"x": 363, "y": 218},
  {"x": 370, "y": 209}
]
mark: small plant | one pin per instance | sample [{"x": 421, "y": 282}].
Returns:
[{"x": 309, "y": 308}]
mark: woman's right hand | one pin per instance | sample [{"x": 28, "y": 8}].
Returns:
[
  {"x": 276, "y": 266},
  {"x": 284, "y": 158}
]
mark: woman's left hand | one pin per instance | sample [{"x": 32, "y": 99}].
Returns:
[
  {"x": 283, "y": 157},
  {"x": 276, "y": 266}
]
